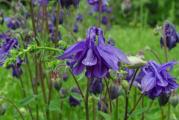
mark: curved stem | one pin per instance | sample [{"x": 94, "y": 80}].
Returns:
[
  {"x": 76, "y": 81},
  {"x": 86, "y": 100},
  {"x": 15, "y": 106}
]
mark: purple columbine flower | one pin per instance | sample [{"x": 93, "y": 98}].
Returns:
[
  {"x": 16, "y": 68},
  {"x": 94, "y": 55},
  {"x": 13, "y": 23},
  {"x": 156, "y": 80},
  {"x": 99, "y": 5},
  {"x": 96, "y": 86},
  {"x": 6, "y": 45},
  {"x": 170, "y": 35}
]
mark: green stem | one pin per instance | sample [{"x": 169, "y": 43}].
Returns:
[
  {"x": 116, "y": 111},
  {"x": 86, "y": 100},
  {"x": 110, "y": 102},
  {"x": 15, "y": 106},
  {"x": 94, "y": 109},
  {"x": 133, "y": 109},
  {"x": 76, "y": 81}
]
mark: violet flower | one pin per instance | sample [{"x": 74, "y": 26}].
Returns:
[
  {"x": 114, "y": 92},
  {"x": 94, "y": 55},
  {"x": 170, "y": 35},
  {"x": 13, "y": 23},
  {"x": 104, "y": 20},
  {"x": 68, "y": 3},
  {"x": 75, "y": 28},
  {"x": 6, "y": 45},
  {"x": 99, "y": 5},
  {"x": 96, "y": 86},
  {"x": 79, "y": 18},
  {"x": 16, "y": 68},
  {"x": 156, "y": 80},
  {"x": 72, "y": 99}
]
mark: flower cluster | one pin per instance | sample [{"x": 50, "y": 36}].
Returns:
[
  {"x": 156, "y": 80},
  {"x": 94, "y": 55}
]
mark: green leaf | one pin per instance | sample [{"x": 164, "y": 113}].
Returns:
[
  {"x": 28, "y": 100},
  {"x": 105, "y": 115},
  {"x": 54, "y": 106}
]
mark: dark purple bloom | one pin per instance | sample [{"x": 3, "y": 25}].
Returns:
[
  {"x": 68, "y": 3},
  {"x": 96, "y": 86},
  {"x": 114, "y": 92},
  {"x": 53, "y": 33},
  {"x": 170, "y": 35},
  {"x": 6, "y": 45},
  {"x": 16, "y": 68},
  {"x": 13, "y": 23},
  {"x": 61, "y": 15},
  {"x": 79, "y": 18},
  {"x": 104, "y": 20},
  {"x": 75, "y": 28},
  {"x": 130, "y": 73},
  {"x": 156, "y": 80},
  {"x": 94, "y": 55},
  {"x": 63, "y": 92},
  {"x": 74, "y": 101},
  {"x": 103, "y": 105}
]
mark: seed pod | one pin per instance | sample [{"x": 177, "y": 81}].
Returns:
[
  {"x": 174, "y": 100},
  {"x": 114, "y": 92}
]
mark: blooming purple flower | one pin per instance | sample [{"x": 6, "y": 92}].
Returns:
[
  {"x": 170, "y": 35},
  {"x": 156, "y": 80},
  {"x": 13, "y": 23},
  {"x": 96, "y": 86},
  {"x": 6, "y": 45},
  {"x": 94, "y": 55}
]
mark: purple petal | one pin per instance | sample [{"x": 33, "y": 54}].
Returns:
[
  {"x": 80, "y": 46},
  {"x": 90, "y": 58},
  {"x": 78, "y": 69},
  {"x": 148, "y": 82}
]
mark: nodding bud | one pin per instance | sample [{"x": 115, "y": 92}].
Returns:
[
  {"x": 63, "y": 92},
  {"x": 163, "y": 99},
  {"x": 102, "y": 105},
  {"x": 65, "y": 77},
  {"x": 73, "y": 100},
  {"x": 96, "y": 86},
  {"x": 55, "y": 81},
  {"x": 114, "y": 92},
  {"x": 174, "y": 100}
]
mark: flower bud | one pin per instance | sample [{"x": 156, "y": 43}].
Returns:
[
  {"x": 114, "y": 92},
  {"x": 174, "y": 100},
  {"x": 102, "y": 105},
  {"x": 125, "y": 84},
  {"x": 163, "y": 99}
]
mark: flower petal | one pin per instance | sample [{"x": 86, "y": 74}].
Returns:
[
  {"x": 80, "y": 46},
  {"x": 148, "y": 82},
  {"x": 90, "y": 58}
]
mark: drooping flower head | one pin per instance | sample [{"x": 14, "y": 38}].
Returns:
[
  {"x": 16, "y": 68},
  {"x": 94, "y": 55},
  {"x": 74, "y": 101},
  {"x": 156, "y": 80},
  {"x": 96, "y": 86},
  {"x": 13, "y": 23},
  {"x": 7, "y": 43},
  {"x": 170, "y": 35}
]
